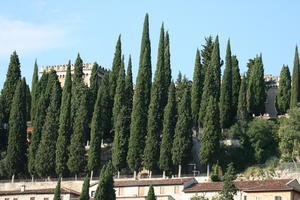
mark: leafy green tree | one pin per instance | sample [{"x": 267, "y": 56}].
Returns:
[
  {"x": 242, "y": 111},
  {"x": 114, "y": 74},
  {"x": 151, "y": 194},
  {"x": 12, "y": 77},
  {"x": 45, "y": 156},
  {"x": 295, "y": 96},
  {"x": 76, "y": 159},
  {"x": 206, "y": 53},
  {"x": 85, "y": 189},
  {"x": 105, "y": 189},
  {"x": 226, "y": 114},
  {"x": 197, "y": 87},
  {"x": 263, "y": 139},
  {"x": 182, "y": 143},
  {"x": 256, "y": 93},
  {"x": 289, "y": 136},
  {"x": 57, "y": 191},
  {"x": 236, "y": 83},
  {"x": 34, "y": 91},
  {"x": 169, "y": 123},
  {"x": 283, "y": 93},
  {"x": 141, "y": 98},
  {"x": 210, "y": 145},
  {"x": 228, "y": 189},
  {"x": 155, "y": 111},
  {"x": 64, "y": 130},
  {"x": 16, "y": 149}
]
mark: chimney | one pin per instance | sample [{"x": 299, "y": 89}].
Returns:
[{"x": 22, "y": 188}]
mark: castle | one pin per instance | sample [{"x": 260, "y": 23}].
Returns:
[{"x": 61, "y": 71}]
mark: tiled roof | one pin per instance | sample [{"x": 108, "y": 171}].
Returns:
[
  {"x": 247, "y": 186},
  {"x": 178, "y": 181},
  {"x": 39, "y": 191}
]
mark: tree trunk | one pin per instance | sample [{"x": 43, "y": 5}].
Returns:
[
  {"x": 164, "y": 174},
  {"x": 75, "y": 177},
  {"x": 207, "y": 170},
  {"x": 12, "y": 178},
  {"x": 134, "y": 175},
  {"x": 179, "y": 171},
  {"x": 118, "y": 174},
  {"x": 32, "y": 178},
  {"x": 150, "y": 174},
  {"x": 92, "y": 175}
]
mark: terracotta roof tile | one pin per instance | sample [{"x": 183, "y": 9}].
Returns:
[
  {"x": 247, "y": 186},
  {"x": 39, "y": 191},
  {"x": 152, "y": 182}
]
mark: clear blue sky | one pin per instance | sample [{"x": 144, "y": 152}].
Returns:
[{"x": 53, "y": 31}]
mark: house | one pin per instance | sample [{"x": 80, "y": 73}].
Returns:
[
  {"x": 165, "y": 189},
  {"x": 37, "y": 194},
  {"x": 277, "y": 189}
]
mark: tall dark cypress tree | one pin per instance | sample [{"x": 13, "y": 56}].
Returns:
[
  {"x": 167, "y": 69},
  {"x": 295, "y": 95},
  {"x": 94, "y": 84},
  {"x": 242, "y": 111},
  {"x": 169, "y": 123},
  {"x": 197, "y": 87},
  {"x": 15, "y": 160},
  {"x": 206, "y": 53},
  {"x": 182, "y": 143},
  {"x": 113, "y": 76},
  {"x": 76, "y": 158},
  {"x": 34, "y": 91},
  {"x": 120, "y": 144},
  {"x": 85, "y": 189},
  {"x": 12, "y": 77},
  {"x": 28, "y": 103},
  {"x": 211, "y": 82},
  {"x": 105, "y": 189},
  {"x": 236, "y": 83},
  {"x": 210, "y": 145},
  {"x": 229, "y": 190},
  {"x": 283, "y": 93},
  {"x": 155, "y": 111},
  {"x": 141, "y": 100},
  {"x": 45, "y": 156},
  {"x": 226, "y": 113},
  {"x": 64, "y": 131},
  {"x": 151, "y": 194},
  {"x": 256, "y": 94},
  {"x": 129, "y": 94},
  {"x": 119, "y": 100},
  {"x": 57, "y": 191}
]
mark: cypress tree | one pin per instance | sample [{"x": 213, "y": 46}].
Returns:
[
  {"x": 283, "y": 93},
  {"x": 141, "y": 100},
  {"x": 197, "y": 87},
  {"x": 94, "y": 84},
  {"x": 99, "y": 127},
  {"x": 295, "y": 96},
  {"x": 76, "y": 158},
  {"x": 236, "y": 83},
  {"x": 256, "y": 88},
  {"x": 228, "y": 189},
  {"x": 105, "y": 189},
  {"x": 151, "y": 194},
  {"x": 57, "y": 191},
  {"x": 155, "y": 111},
  {"x": 119, "y": 149},
  {"x": 129, "y": 94},
  {"x": 206, "y": 53},
  {"x": 242, "y": 111},
  {"x": 28, "y": 103},
  {"x": 12, "y": 77},
  {"x": 211, "y": 82},
  {"x": 34, "y": 91},
  {"x": 106, "y": 108},
  {"x": 182, "y": 143},
  {"x": 64, "y": 130},
  {"x": 15, "y": 160},
  {"x": 119, "y": 100},
  {"x": 226, "y": 114},
  {"x": 210, "y": 145},
  {"x": 169, "y": 123},
  {"x": 167, "y": 69},
  {"x": 113, "y": 76},
  {"x": 45, "y": 156},
  {"x": 85, "y": 189}
]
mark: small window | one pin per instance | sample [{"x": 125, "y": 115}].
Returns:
[
  {"x": 46, "y": 198},
  {"x": 15, "y": 198},
  {"x": 245, "y": 197},
  {"x": 278, "y": 198},
  {"x": 6, "y": 199},
  {"x": 93, "y": 194},
  {"x": 32, "y": 198},
  {"x": 258, "y": 198}
]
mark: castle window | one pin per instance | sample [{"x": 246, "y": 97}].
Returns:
[{"x": 278, "y": 198}]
